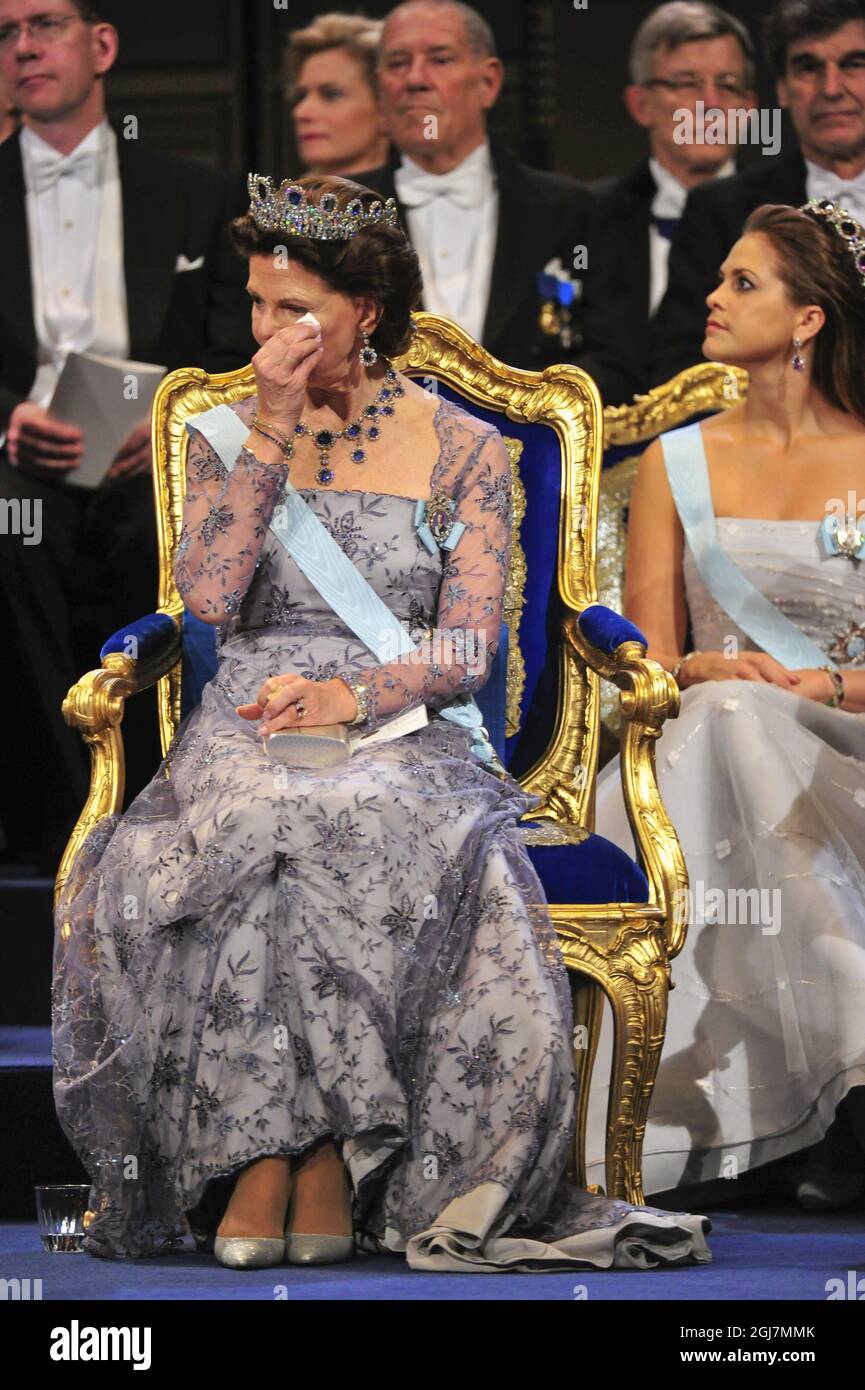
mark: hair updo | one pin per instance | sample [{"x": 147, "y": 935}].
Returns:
[
  {"x": 378, "y": 262},
  {"x": 817, "y": 267}
]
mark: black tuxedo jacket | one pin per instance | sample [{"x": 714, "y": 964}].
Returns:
[
  {"x": 713, "y": 219},
  {"x": 541, "y": 216},
  {"x": 192, "y": 318},
  {"x": 621, "y": 274}
]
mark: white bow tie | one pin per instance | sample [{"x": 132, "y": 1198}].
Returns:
[
  {"x": 47, "y": 167},
  {"x": 461, "y": 186}
]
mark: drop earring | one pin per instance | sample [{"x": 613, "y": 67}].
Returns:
[
  {"x": 798, "y": 359},
  {"x": 368, "y": 354}
]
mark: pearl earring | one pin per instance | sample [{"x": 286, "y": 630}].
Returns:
[
  {"x": 368, "y": 354},
  {"x": 798, "y": 359}
]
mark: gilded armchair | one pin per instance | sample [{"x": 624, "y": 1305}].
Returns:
[
  {"x": 615, "y": 917},
  {"x": 699, "y": 390}
]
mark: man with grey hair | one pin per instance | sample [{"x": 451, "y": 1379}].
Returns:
[
  {"x": 498, "y": 242},
  {"x": 684, "y": 53}
]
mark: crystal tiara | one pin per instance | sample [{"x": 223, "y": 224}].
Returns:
[
  {"x": 849, "y": 230},
  {"x": 288, "y": 209}
]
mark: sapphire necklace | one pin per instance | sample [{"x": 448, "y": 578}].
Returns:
[{"x": 365, "y": 427}]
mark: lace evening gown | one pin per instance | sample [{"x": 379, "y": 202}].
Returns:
[
  {"x": 254, "y": 957},
  {"x": 766, "y": 1029}
]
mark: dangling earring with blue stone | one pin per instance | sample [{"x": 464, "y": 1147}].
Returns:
[{"x": 368, "y": 354}]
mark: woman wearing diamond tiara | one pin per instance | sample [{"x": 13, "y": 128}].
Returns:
[
  {"x": 337, "y": 987},
  {"x": 748, "y": 529}
]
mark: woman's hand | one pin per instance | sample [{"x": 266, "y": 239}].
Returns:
[
  {"x": 750, "y": 666},
  {"x": 282, "y": 368},
  {"x": 323, "y": 702},
  {"x": 815, "y": 685}
]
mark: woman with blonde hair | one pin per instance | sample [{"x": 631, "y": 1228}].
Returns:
[{"x": 333, "y": 94}]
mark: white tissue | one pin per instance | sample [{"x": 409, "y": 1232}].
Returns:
[{"x": 310, "y": 318}]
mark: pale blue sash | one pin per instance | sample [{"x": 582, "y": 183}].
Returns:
[
  {"x": 688, "y": 475},
  {"x": 327, "y": 567}
]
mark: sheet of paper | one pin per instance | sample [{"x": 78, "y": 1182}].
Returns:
[
  {"x": 394, "y": 728},
  {"x": 106, "y": 397}
]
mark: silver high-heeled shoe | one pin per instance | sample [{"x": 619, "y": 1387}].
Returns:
[
  {"x": 317, "y": 1250},
  {"x": 249, "y": 1252}
]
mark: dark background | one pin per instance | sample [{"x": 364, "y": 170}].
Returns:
[{"x": 205, "y": 78}]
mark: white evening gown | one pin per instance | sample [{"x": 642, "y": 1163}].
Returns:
[{"x": 766, "y": 1028}]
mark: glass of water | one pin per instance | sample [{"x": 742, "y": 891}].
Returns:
[{"x": 60, "y": 1210}]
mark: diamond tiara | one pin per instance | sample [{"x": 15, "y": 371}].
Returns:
[
  {"x": 288, "y": 209},
  {"x": 849, "y": 230}
]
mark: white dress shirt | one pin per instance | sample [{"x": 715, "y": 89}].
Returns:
[
  {"x": 75, "y": 225},
  {"x": 822, "y": 183},
  {"x": 453, "y": 224},
  {"x": 669, "y": 201}
]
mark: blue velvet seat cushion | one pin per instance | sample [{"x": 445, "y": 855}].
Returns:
[{"x": 593, "y": 871}]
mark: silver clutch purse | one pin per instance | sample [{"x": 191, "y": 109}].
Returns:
[
  {"x": 324, "y": 745},
  {"x": 319, "y": 745}
]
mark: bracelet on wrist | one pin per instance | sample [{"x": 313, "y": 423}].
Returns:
[
  {"x": 275, "y": 429},
  {"x": 275, "y": 436},
  {"x": 838, "y": 682},
  {"x": 361, "y": 695},
  {"x": 680, "y": 663}
]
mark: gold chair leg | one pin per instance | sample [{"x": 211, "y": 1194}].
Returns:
[
  {"x": 638, "y": 996},
  {"x": 588, "y": 1000}
]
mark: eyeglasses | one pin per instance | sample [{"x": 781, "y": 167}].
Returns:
[
  {"x": 47, "y": 27},
  {"x": 691, "y": 84}
]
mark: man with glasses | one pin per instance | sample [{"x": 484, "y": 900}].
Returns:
[
  {"x": 682, "y": 54},
  {"x": 110, "y": 248},
  {"x": 817, "y": 51}
]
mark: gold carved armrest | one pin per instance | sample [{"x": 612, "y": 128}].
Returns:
[
  {"x": 649, "y": 696},
  {"x": 95, "y": 706}
]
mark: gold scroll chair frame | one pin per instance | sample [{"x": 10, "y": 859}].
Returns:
[
  {"x": 699, "y": 390},
  {"x": 618, "y": 950}
]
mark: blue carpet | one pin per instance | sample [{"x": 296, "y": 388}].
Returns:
[
  {"x": 25, "y": 1047},
  {"x": 757, "y": 1255}
]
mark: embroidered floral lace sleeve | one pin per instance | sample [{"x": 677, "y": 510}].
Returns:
[
  {"x": 455, "y": 659},
  {"x": 225, "y": 521}
]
